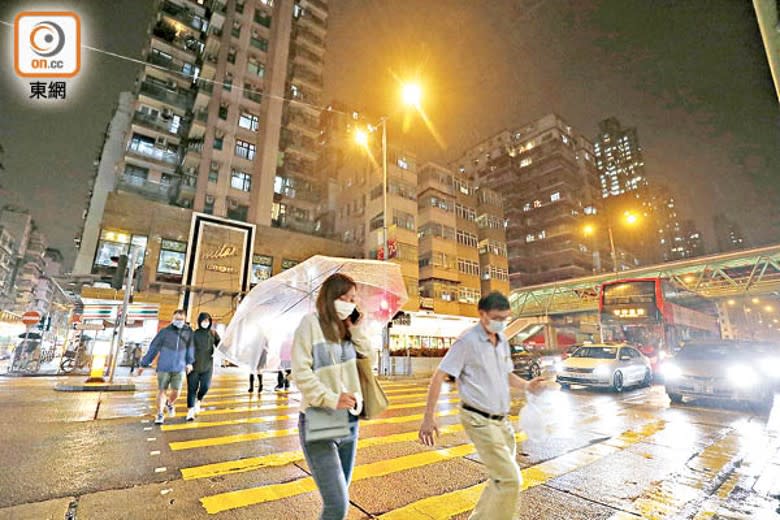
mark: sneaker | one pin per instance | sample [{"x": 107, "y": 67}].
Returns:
[
  {"x": 251, "y": 389},
  {"x": 278, "y": 388},
  {"x": 191, "y": 414},
  {"x": 171, "y": 410},
  {"x": 260, "y": 389},
  {"x": 197, "y": 407},
  {"x": 159, "y": 419}
]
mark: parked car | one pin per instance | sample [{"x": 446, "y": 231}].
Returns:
[
  {"x": 529, "y": 363},
  {"x": 568, "y": 351},
  {"x": 724, "y": 370},
  {"x": 607, "y": 366}
]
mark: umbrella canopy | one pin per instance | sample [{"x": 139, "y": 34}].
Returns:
[{"x": 269, "y": 314}]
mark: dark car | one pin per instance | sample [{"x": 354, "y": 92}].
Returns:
[
  {"x": 530, "y": 363},
  {"x": 724, "y": 370}
]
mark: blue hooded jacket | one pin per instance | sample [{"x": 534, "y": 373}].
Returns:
[{"x": 176, "y": 349}]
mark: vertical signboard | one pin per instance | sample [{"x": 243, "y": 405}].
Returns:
[{"x": 218, "y": 268}]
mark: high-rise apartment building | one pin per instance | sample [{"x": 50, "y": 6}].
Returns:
[
  {"x": 546, "y": 173},
  {"x": 728, "y": 234},
  {"x": 219, "y": 151},
  {"x": 694, "y": 243},
  {"x": 619, "y": 159},
  {"x": 768, "y": 16}
]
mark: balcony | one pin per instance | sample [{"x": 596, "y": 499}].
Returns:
[
  {"x": 168, "y": 33},
  {"x": 184, "y": 15},
  {"x": 156, "y": 59},
  {"x": 203, "y": 95},
  {"x": 303, "y": 56},
  {"x": 218, "y": 11},
  {"x": 148, "y": 151},
  {"x": 302, "y": 146},
  {"x": 198, "y": 125},
  {"x": 159, "y": 124},
  {"x": 312, "y": 22},
  {"x": 183, "y": 193},
  {"x": 253, "y": 94},
  {"x": 319, "y": 6},
  {"x": 305, "y": 76},
  {"x": 304, "y": 123},
  {"x": 166, "y": 94},
  {"x": 311, "y": 40},
  {"x": 151, "y": 190}
]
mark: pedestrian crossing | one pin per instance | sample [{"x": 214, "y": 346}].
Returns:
[{"x": 236, "y": 424}]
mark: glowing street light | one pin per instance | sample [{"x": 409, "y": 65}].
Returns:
[
  {"x": 629, "y": 218},
  {"x": 361, "y": 137},
  {"x": 411, "y": 94}
]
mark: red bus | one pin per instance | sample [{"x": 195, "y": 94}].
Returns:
[{"x": 654, "y": 314}]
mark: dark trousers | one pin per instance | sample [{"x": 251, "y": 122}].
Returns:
[
  {"x": 198, "y": 383},
  {"x": 283, "y": 379},
  {"x": 259, "y": 382}
]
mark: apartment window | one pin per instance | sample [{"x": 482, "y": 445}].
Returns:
[
  {"x": 255, "y": 68},
  {"x": 495, "y": 273},
  {"x": 170, "y": 265},
  {"x": 297, "y": 11},
  {"x": 404, "y": 220},
  {"x": 208, "y": 207},
  {"x": 492, "y": 247},
  {"x": 262, "y": 18},
  {"x": 436, "y": 202},
  {"x": 555, "y": 196},
  {"x": 239, "y": 7},
  {"x": 259, "y": 43},
  {"x": 213, "y": 176},
  {"x": 218, "y": 142},
  {"x": 401, "y": 163},
  {"x": 465, "y": 213},
  {"x": 245, "y": 150},
  {"x": 467, "y": 239},
  {"x": 435, "y": 230},
  {"x": 224, "y": 110},
  {"x": 469, "y": 295},
  {"x": 240, "y": 181},
  {"x": 231, "y": 57},
  {"x": 236, "y": 30},
  {"x": 526, "y": 162},
  {"x": 135, "y": 174},
  {"x": 237, "y": 211},
  {"x": 468, "y": 267},
  {"x": 527, "y": 206},
  {"x": 289, "y": 264},
  {"x": 376, "y": 223},
  {"x": 116, "y": 243},
  {"x": 537, "y": 203},
  {"x": 249, "y": 121},
  {"x": 530, "y": 237},
  {"x": 227, "y": 83},
  {"x": 262, "y": 266}
]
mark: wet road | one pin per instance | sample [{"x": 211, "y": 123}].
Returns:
[{"x": 604, "y": 455}]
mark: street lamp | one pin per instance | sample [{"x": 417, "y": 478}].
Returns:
[
  {"x": 629, "y": 218},
  {"x": 411, "y": 96}
]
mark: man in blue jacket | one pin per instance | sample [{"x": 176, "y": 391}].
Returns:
[{"x": 176, "y": 348}]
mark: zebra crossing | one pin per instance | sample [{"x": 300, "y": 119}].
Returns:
[{"x": 241, "y": 457}]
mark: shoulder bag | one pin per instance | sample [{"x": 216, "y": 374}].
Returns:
[
  {"x": 374, "y": 398},
  {"x": 324, "y": 424}
]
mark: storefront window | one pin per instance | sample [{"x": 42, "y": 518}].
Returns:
[
  {"x": 287, "y": 264},
  {"x": 116, "y": 243},
  {"x": 170, "y": 266},
  {"x": 262, "y": 266}
]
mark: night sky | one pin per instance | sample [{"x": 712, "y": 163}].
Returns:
[{"x": 691, "y": 75}]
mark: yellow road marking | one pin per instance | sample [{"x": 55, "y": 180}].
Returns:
[
  {"x": 669, "y": 496},
  {"x": 280, "y": 459},
  {"x": 247, "y": 437},
  {"x": 251, "y": 496},
  {"x": 443, "y": 507},
  {"x": 244, "y": 409}
]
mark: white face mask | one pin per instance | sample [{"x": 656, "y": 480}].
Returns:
[
  {"x": 178, "y": 323},
  {"x": 344, "y": 309},
  {"x": 205, "y": 324},
  {"x": 496, "y": 326}
]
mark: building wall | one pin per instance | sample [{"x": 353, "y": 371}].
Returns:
[
  {"x": 546, "y": 173},
  {"x": 128, "y": 215}
]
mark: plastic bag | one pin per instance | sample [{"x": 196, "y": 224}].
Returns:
[{"x": 537, "y": 417}]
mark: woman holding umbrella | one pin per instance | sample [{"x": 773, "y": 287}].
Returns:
[{"x": 324, "y": 368}]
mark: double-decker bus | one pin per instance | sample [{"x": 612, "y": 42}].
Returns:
[{"x": 654, "y": 314}]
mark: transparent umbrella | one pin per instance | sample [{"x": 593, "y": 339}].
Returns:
[{"x": 269, "y": 314}]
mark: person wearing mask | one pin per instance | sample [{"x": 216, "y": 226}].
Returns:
[
  {"x": 481, "y": 362},
  {"x": 205, "y": 339},
  {"x": 324, "y": 352},
  {"x": 174, "y": 345}
]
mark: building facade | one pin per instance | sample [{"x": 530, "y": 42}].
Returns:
[
  {"x": 546, "y": 173},
  {"x": 8, "y": 258},
  {"x": 728, "y": 234},
  {"x": 768, "y": 16},
  {"x": 619, "y": 159}
]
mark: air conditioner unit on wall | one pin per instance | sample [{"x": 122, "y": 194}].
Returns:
[{"x": 161, "y": 142}]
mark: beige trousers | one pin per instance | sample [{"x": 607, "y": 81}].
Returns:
[{"x": 495, "y": 444}]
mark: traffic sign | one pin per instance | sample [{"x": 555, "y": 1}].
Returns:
[{"x": 31, "y": 317}]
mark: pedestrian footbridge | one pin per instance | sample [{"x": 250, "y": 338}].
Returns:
[{"x": 751, "y": 272}]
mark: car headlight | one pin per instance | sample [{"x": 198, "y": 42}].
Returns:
[
  {"x": 662, "y": 355},
  {"x": 671, "y": 371},
  {"x": 601, "y": 371},
  {"x": 742, "y": 375},
  {"x": 771, "y": 367}
]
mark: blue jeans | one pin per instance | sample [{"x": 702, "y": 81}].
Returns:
[
  {"x": 331, "y": 464},
  {"x": 198, "y": 383}
]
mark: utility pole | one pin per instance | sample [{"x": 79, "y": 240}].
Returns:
[{"x": 123, "y": 313}]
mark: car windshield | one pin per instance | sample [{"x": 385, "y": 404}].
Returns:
[{"x": 596, "y": 352}]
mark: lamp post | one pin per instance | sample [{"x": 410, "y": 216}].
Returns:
[
  {"x": 411, "y": 95},
  {"x": 629, "y": 219}
]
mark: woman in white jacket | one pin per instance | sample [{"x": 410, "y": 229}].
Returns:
[{"x": 324, "y": 368}]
